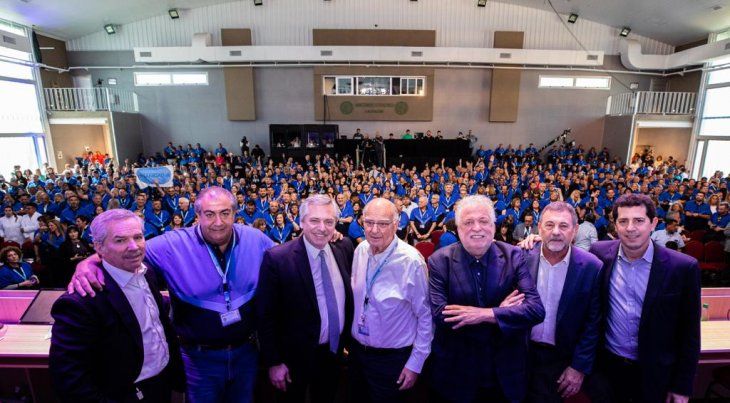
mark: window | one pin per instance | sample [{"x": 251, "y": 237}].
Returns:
[
  {"x": 715, "y": 159},
  {"x": 19, "y": 108},
  {"x": 142, "y": 79},
  {"x": 12, "y": 28},
  {"x": 582, "y": 82},
  {"x": 373, "y": 85},
  {"x": 18, "y": 71},
  {"x": 18, "y": 151}
]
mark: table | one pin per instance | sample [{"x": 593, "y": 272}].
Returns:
[
  {"x": 25, "y": 346},
  {"x": 715, "y": 346}
]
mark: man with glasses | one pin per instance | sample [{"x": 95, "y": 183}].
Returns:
[{"x": 392, "y": 326}]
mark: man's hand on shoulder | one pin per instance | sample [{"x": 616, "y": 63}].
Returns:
[{"x": 88, "y": 277}]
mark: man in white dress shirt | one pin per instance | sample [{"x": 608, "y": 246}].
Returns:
[
  {"x": 392, "y": 326},
  {"x": 119, "y": 345},
  {"x": 29, "y": 221},
  {"x": 11, "y": 229}
]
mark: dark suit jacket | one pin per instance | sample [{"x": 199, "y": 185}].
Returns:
[
  {"x": 96, "y": 346},
  {"x": 579, "y": 312},
  {"x": 459, "y": 354},
  {"x": 669, "y": 330},
  {"x": 286, "y": 304}
]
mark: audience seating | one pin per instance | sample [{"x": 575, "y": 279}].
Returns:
[
  {"x": 714, "y": 259},
  {"x": 436, "y": 237},
  {"x": 720, "y": 377},
  {"x": 426, "y": 248},
  {"x": 697, "y": 235},
  {"x": 696, "y": 249}
]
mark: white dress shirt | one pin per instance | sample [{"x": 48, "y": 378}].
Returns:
[
  {"x": 135, "y": 288},
  {"x": 398, "y": 313},
  {"x": 586, "y": 236},
  {"x": 316, "y": 265},
  {"x": 29, "y": 224},
  {"x": 550, "y": 281},
  {"x": 11, "y": 229}
]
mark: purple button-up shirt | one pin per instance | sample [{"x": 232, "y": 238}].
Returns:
[{"x": 627, "y": 290}]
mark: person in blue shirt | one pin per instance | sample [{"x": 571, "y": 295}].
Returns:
[
  {"x": 282, "y": 230},
  {"x": 249, "y": 213},
  {"x": 175, "y": 223},
  {"x": 221, "y": 150},
  {"x": 718, "y": 221},
  {"x": 437, "y": 210},
  {"x": 697, "y": 213},
  {"x": 82, "y": 223},
  {"x": 448, "y": 237},
  {"x": 185, "y": 211},
  {"x": 74, "y": 209},
  {"x": 356, "y": 232},
  {"x": 157, "y": 217},
  {"x": 14, "y": 273}
]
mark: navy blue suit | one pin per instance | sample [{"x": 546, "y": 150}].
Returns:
[
  {"x": 577, "y": 324},
  {"x": 463, "y": 358},
  {"x": 669, "y": 330}
]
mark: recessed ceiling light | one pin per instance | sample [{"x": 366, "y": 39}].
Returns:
[
  {"x": 174, "y": 13},
  {"x": 625, "y": 31},
  {"x": 110, "y": 29},
  {"x": 572, "y": 18}
]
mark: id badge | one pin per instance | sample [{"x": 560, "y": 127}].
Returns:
[
  {"x": 362, "y": 327},
  {"x": 423, "y": 226},
  {"x": 230, "y": 317}
]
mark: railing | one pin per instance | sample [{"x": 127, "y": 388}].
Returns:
[
  {"x": 90, "y": 99},
  {"x": 651, "y": 102}
]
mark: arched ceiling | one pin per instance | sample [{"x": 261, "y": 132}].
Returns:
[{"x": 674, "y": 22}]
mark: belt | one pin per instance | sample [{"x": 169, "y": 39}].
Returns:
[
  {"x": 218, "y": 346},
  {"x": 382, "y": 351},
  {"x": 628, "y": 362},
  {"x": 541, "y": 345}
]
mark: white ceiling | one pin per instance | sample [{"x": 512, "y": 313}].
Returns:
[{"x": 672, "y": 21}]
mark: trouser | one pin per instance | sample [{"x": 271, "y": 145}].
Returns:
[
  {"x": 374, "y": 374},
  {"x": 224, "y": 375},
  {"x": 153, "y": 390},
  {"x": 545, "y": 366},
  {"x": 615, "y": 380},
  {"x": 320, "y": 378}
]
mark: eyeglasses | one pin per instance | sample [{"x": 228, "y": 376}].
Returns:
[{"x": 379, "y": 224}]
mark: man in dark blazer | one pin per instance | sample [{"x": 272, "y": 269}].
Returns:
[
  {"x": 119, "y": 346},
  {"x": 651, "y": 301},
  {"x": 563, "y": 346},
  {"x": 304, "y": 306},
  {"x": 484, "y": 303}
]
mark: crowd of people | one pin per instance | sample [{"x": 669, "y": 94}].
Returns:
[
  {"x": 346, "y": 274},
  {"x": 47, "y": 214}
]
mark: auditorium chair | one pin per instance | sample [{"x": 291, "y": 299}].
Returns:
[
  {"x": 697, "y": 235},
  {"x": 436, "y": 236},
  {"x": 714, "y": 257},
  {"x": 696, "y": 249},
  {"x": 426, "y": 248}
]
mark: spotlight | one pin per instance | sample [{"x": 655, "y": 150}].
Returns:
[
  {"x": 258, "y": 2},
  {"x": 481, "y": 3},
  {"x": 174, "y": 13},
  {"x": 110, "y": 29},
  {"x": 625, "y": 31},
  {"x": 573, "y": 18}
]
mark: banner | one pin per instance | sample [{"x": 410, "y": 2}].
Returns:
[{"x": 161, "y": 176}]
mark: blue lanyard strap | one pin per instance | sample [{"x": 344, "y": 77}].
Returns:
[
  {"x": 223, "y": 274},
  {"x": 369, "y": 283}
]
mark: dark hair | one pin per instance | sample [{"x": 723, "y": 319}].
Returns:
[
  {"x": 670, "y": 221},
  {"x": 635, "y": 200},
  {"x": 83, "y": 218}
]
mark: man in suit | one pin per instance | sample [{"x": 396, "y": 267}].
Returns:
[
  {"x": 525, "y": 228},
  {"x": 119, "y": 346},
  {"x": 304, "y": 306},
  {"x": 651, "y": 303},
  {"x": 484, "y": 303},
  {"x": 563, "y": 346}
]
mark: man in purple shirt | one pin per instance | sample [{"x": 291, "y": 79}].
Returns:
[
  {"x": 212, "y": 271},
  {"x": 651, "y": 302}
]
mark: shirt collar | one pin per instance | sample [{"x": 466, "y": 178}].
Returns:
[
  {"x": 122, "y": 277},
  {"x": 565, "y": 260},
  {"x": 473, "y": 260},
  {"x": 648, "y": 254},
  {"x": 312, "y": 250}
]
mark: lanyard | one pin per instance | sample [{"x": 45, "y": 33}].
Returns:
[
  {"x": 369, "y": 283},
  {"x": 420, "y": 217},
  {"x": 281, "y": 234},
  {"x": 223, "y": 274},
  {"x": 19, "y": 271}
]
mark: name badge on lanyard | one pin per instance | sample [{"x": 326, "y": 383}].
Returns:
[
  {"x": 230, "y": 316},
  {"x": 362, "y": 326}
]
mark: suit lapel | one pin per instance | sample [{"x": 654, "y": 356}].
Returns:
[
  {"x": 496, "y": 274},
  {"x": 121, "y": 305},
  {"x": 610, "y": 259},
  {"x": 343, "y": 266},
  {"x": 305, "y": 270},
  {"x": 655, "y": 285},
  {"x": 571, "y": 281},
  {"x": 533, "y": 262}
]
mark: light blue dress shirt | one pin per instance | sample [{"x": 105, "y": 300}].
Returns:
[
  {"x": 627, "y": 290},
  {"x": 550, "y": 281}
]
